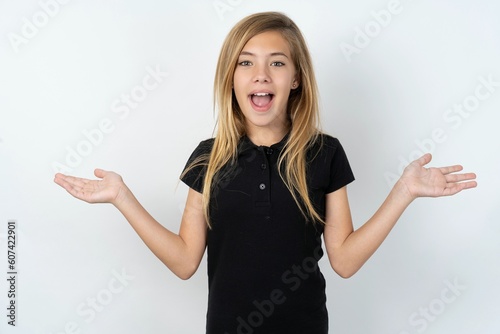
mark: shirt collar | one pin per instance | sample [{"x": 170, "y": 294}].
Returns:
[{"x": 246, "y": 144}]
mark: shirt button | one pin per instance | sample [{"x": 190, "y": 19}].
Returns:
[
  {"x": 262, "y": 186},
  {"x": 263, "y": 166}
]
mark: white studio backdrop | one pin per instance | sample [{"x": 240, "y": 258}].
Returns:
[{"x": 127, "y": 86}]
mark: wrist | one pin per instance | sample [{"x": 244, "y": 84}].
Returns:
[
  {"x": 401, "y": 191},
  {"x": 123, "y": 197}
]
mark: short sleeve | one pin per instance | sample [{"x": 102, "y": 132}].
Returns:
[
  {"x": 193, "y": 174},
  {"x": 337, "y": 167}
]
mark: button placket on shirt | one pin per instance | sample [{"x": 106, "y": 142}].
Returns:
[{"x": 263, "y": 196}]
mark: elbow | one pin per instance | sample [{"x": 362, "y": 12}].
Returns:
[
  {"x": 343, "y": 270},
  {"x": 345, "y": 274},
  {"x": 186, "y": 272},
  {"x": 184, "y": 276}
]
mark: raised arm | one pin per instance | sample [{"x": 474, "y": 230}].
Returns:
[
  {"x": 181, "y": 253},
  {"x": 347, "y": 249}
]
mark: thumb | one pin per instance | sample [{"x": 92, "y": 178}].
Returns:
[
  {"x": 100, "y": 173},
  {"x": 424, "y": 159}
]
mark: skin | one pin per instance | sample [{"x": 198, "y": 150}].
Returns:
[
  {"x": 265, "y": 65},
  {"x": 347, "y": 249}
]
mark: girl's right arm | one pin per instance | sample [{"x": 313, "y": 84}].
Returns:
[{"x": 181, "y": 253}]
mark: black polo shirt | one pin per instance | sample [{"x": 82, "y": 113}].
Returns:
[{"x": 262, "y": 253}]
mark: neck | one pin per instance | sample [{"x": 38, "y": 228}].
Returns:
[{"x": 266, "y": 137}]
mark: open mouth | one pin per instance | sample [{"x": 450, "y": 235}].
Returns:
[{"x": 261, "y": 101}]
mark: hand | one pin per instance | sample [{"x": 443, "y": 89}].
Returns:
[
  {"x": 110, "y": 189},
  {"x": 434, "y": 182}
]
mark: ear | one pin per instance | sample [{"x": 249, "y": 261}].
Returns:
[{"x": 295, "y": 82}]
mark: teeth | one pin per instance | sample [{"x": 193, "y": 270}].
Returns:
[{"x": 262, "y": 94}]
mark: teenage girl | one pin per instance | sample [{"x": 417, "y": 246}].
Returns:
[{"x": 265, "y": 189}]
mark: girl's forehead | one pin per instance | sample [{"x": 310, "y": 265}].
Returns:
[{"x": 269, "y": 40}]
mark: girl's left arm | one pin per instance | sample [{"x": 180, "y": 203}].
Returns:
[{"x": 347, "y": 249}]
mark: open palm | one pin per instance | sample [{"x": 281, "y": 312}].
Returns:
[
  {"x": 435, "y": 182},
  {"x": 106, "y": 190}
]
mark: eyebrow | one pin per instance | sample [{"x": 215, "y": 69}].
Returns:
[{"x": 247, "y": 53}]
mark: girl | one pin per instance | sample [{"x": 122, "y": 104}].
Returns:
[{"x": 265, "y": 189}]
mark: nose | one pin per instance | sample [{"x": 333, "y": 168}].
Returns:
[{"x": 261, "y": 74}]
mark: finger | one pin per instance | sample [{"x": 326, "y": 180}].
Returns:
[
  {"x": 100, "y": 173},
  {"x": 74, "y": 181},
  {"x": 469, "y": 184},
  {"x": 424, "y": 159},
  {"x": 458, "y": 187},
  {"x": 77, "y": 191},
  {"x": 450, "y": 169},
  {"x": 70, "y": 188},
  {"x": 58, "y": 177},
  {"x": 61, "y": 179},
  {"x": 460, "y": 177}
]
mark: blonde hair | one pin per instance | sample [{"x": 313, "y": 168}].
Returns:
[{"x": 302, "y": 110}]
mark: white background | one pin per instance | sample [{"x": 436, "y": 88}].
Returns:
[{"x": 383, "y": 102}]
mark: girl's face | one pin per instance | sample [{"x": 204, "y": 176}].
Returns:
[{"x": 263, "y": 78}]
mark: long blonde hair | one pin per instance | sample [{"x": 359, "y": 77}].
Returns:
[{"x": 302, "y": 110}]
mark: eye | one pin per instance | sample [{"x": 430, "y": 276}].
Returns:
[
  {"x": 277, "y": 63},
  {"x": 244, "y": 63}
]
